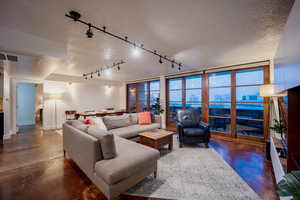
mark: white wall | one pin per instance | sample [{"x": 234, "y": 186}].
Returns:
[
  {"x": 25, "y": 104},
  {"x": 80, "y": 97},
  {"x": 6, "y": 99}
]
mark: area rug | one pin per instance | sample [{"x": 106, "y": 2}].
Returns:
[{"x": 194, "y": 173}]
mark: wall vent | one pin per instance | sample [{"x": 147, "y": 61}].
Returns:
[
  {"x": 12, "y": 58},
  {"x": 8, "y": 57},
  {"x": 2, "y": 56}
]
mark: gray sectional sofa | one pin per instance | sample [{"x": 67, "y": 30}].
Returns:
[{"x": 132, "y": 162}]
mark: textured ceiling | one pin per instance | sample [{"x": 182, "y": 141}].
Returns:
[{"x": 198, "y": 33}]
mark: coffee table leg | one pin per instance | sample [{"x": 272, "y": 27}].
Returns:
[{"x": 171, "y": 144}]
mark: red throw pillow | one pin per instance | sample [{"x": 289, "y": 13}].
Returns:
[
  {"x": 144, "y": 118},
  {"x": 88, "y": 122}
]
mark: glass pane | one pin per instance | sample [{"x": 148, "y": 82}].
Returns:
[
  {"x": 131, "y": 98},
  {"x": 219, "y": 109},
  {"x": 193, "y": 82},
  {"x": 197, "y": 107},
  {"x": 219, "y": 124},
  {"x": 153, "y": 96},
  {"x": 173, "y": 107},
  {"x": 250, "y": 110},
  {"x": 220, "y": 94},
  {"x": 175, "y": 95},
  {"x": 142, "y": 86},
  {"x": 248, "y": 94},
  {"x": 142, "y": 106},
  {"x": 175, "y": 83},
  {"x": 250, "y": 77},
  {"x": 154, "y": 85},
  {"x": 250, "y": 127},
  {"x": 193, "y": 95},
  {"x": 220, "y": 79}
]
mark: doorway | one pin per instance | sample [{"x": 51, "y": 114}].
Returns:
[{"x": 29, "y": 106}]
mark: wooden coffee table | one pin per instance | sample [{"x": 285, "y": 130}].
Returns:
[{"x": 157, "y": 138}]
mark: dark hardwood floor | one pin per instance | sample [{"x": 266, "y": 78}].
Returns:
[{"x": 32, "y": 167}]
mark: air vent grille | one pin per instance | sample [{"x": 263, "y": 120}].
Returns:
[
  {"x": 2, "y": 56},
  {"x": 12, "y": 58}
]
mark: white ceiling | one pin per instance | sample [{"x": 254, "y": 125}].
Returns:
[{"x": 198, "y": 33}]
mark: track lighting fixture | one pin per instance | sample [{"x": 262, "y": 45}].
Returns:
[
  {"x": 89, "y": 32},
  {"x": 76, "y": 17},
  {"x": 179, "y": 66},
  {"x": 160, "y": 60},
  {"x": 107, "y": 70},
  {"x": 172, "y": 65}
]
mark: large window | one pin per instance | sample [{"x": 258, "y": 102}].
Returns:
[
  {"x": 229, "y": 101},
  {"x": 220, "y": 101},
  {"x": 183, "y": 93},
  {"x": 140, "y": 96},
  {"x": 249, "y": 105}
]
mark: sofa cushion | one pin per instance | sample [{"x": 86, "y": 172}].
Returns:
[
  {"x": 194, "y": 132},
  {"x": 144, "y": 118},
  {"x": 98, "y": 122},
  {"x": 132, "y": 158},
  {"x": 107, "y": 142},
  {"x": 134, "y": 118},
  {"x": 118, "y": 121},
  {"x": 133, "y": 130}
]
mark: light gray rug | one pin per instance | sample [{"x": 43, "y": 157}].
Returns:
[{"x": 194, "y": 173}]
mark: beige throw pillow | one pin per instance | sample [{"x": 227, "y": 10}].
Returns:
[{"x": 107, "y": 142}]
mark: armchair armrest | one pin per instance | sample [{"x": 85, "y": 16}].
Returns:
[{"x": 203, "y": 125}]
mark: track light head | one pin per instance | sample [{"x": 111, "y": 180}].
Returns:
[
  {"x": 118, "y": 68},
  {"x": 160, "y": 60},
  {"x": 104, "y": 28},
  {"x": 172, "y": 65},
  {"x": 74, "y": 15},
  {"x": 98, "y": 73},
  {"x": 89, "y": 32},
  {"x": 126, "y": 38}
]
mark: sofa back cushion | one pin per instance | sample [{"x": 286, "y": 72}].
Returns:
[
  {"x": 134, "y": 118},
  {"x": 144, "y": 118},
  {"x": 118, "y": 121},
  {"x": 107, "y": 142}
]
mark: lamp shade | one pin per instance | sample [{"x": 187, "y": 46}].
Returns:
[{"x": 268, "y": 90}]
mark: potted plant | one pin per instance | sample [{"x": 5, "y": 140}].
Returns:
[
  {"x": 279, "y": 127},
  {"x": 290, "y": 185},
  {"x": 156, "y": 107}
]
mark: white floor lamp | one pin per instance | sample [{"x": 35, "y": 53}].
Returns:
[{"x": 55, "y": 97}]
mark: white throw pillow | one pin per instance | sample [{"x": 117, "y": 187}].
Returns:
[{"x": 99, "y": 123}]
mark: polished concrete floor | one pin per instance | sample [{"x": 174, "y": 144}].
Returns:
[{"x": 32, "y": 166}]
